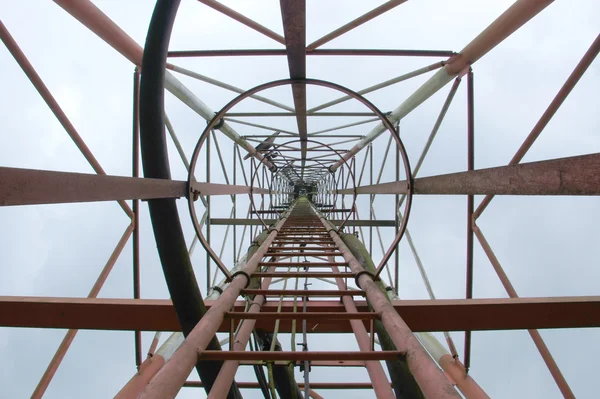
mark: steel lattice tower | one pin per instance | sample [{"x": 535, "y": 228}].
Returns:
[{"x": 299, "y": 229}]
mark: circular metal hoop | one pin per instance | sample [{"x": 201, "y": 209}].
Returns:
[
  {"x": 319, "y": 162},
  {"x": 276, "y": 83}
]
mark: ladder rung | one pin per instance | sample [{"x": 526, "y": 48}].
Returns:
[
  {"x": 304, "y": 274},
  {"x": 313, "y": 363},
  {"x": 303, "y": 253},
  {"x": 316, "y": 264},
  {"x": 300, "y": 355},
  {"x": 313, "y": 293},
  {"x": 306, "y": 266},
  {"x": 302, "y": 233},
  {"x": 311, "y": 229},
  {"x": 302, "y": 315},
  {"x": 299, "y": 249},
  {"x": 305, "y": 242}
]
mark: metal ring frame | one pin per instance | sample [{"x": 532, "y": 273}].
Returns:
[
  {"x": 315, "y": 82},
  {"x": 317, "y": 161}
]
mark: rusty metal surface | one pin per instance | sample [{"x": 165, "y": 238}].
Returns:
[
  {"x": 293, "y": 14},
  {"x": 30, "y": 187},
  {"x": 323, "y": 52},
  {"x": 420, "y": 315},
  {"x": 297, "y": 355},
  {"x": 565, "y": 176},
  {"x": 315, "y": 385}
]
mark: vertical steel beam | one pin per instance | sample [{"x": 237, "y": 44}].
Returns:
[
  {"x": 293, "y": 14},
  {"x": 397, "y": 219},
  {"x": 371, "y": 198},
  {"x": 234, "y": 205},
  {"x": 208, "y": 258},
  {"x": 470, "y": 197}
]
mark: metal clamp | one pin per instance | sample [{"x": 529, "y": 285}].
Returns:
[
  {"x": 217, "y": 125},
  {"x": 218, "y": 289},
  {"x": 356, "y": 278},
  {"x": 248, "y": 278}
]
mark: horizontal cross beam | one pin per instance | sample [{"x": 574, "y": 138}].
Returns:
[
  {"x": 256, "y": 222},
  {"x": 35, "y": 187},
  {"x": 420, "y": 315},
  {"x": 32, "y": 187},
  {"x": 565, "y": 176}
]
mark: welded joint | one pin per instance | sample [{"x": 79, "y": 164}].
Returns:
[{"x": 463, "y": 72}]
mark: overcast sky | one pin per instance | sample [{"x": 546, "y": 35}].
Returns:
[{"x": 548, "y": 246}]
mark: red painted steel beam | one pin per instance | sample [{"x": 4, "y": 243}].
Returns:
[
  {"x": 420, "y": 315},
  {"x": 470, "y": 207},
  {"x": 315, "y": 385},
  {"x": 564, "y": 176},
  {"x": 329, "y": 52},
  {"x": 31, "y": 186},
  {"x": 311, "y": 293},
  {"x": 313, "y": 363},
  {"x": 299, "y": 355},
  {"x": 340, "y": 316},
  {"x": 293, "y": 14}
]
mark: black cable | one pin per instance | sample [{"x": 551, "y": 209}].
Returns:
[
  {"x": 172, "y": 250},
  {"x": 260, "y": 372}
]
